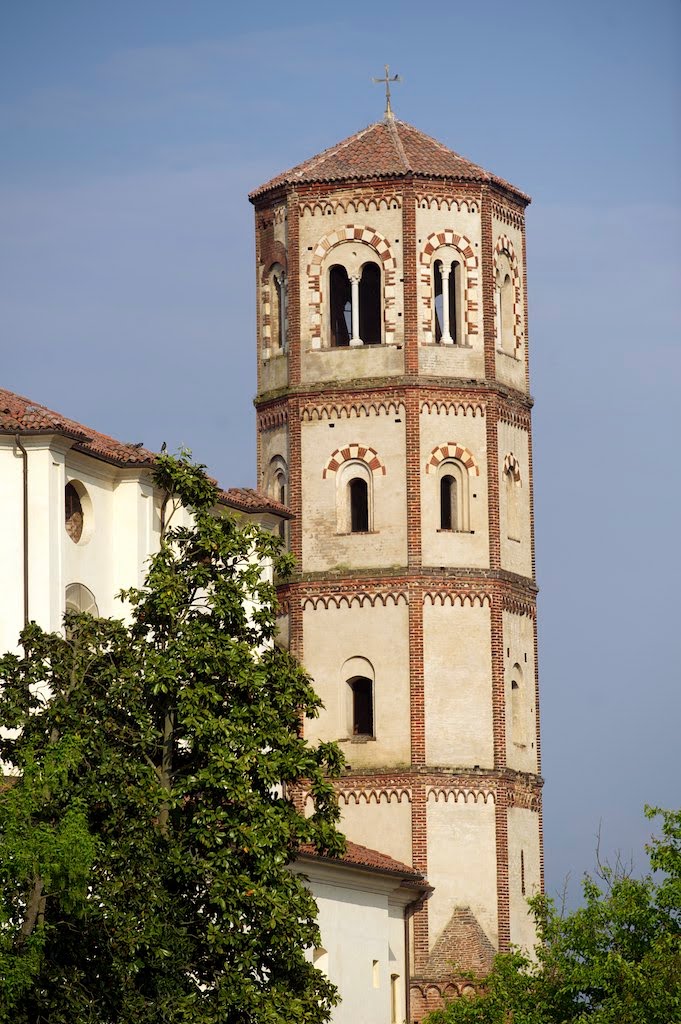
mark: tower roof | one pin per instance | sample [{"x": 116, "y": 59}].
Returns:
[{"x": 386, "y": 149}]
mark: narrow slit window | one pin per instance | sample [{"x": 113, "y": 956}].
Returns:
[
  {"x": 506, "y": 315},
  {"x": 395, "y": 1014},
  {"x": 362, "y": 706},
  {"x": 340, "y": 306},
  {"x": 278, "y": 311},
  {"x": 359, "y": 505},
  {"x": 370, "y": 305},
  {"x": 448, "y": 502},
  {"x": 517, "y": 710}
]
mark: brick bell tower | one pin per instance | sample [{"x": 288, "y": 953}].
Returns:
[{"x": 393, "y": 413}]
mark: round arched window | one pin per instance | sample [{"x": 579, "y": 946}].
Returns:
[{"x": 80, "y": 599}]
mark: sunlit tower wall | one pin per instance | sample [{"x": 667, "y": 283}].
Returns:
[{"x": 393, "y": 416}]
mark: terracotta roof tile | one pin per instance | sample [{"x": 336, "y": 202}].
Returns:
[
  {"x": 363, "y": 857},
  {"x": 246, "y": 499},
  {"x": 19, "y": 415},
  {"x": 386, "y": 149}
]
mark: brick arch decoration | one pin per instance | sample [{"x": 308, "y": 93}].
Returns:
[
  {"x": 276, "y": 254},
  {"x": 453, "y": 450},
  {"x": 358, "y": 600},
  {"x": 381, "y": 246},
  {"x": 463, "y": 246},
  {"x": 362, "y": 452},
  {"x": 505, "y": 245},
  {"x": 512, "y": 466}
]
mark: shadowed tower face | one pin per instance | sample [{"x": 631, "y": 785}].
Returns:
[{"x": 394, "y": 414}]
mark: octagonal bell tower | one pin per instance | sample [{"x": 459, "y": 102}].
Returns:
[{"x": 393, "y": 415}]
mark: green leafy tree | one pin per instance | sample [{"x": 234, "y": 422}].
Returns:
[
  {"x": 616, "y": 960},
  {"x": 147, "y": 832}
]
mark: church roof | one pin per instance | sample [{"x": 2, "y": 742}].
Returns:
[
  {"x": 386, "y": 149},
  {"x": 362, "y": 857},
  {"x": 19, "y": 415}
]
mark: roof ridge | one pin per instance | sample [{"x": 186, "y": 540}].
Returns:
[{"x": 392, "y": 128}]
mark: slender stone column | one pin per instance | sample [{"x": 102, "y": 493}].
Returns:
[
  {"x": 354, "y": 285},
  {"x": 446, "y": 338}
]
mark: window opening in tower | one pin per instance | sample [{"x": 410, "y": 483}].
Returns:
[
  {"x": 362, "y": 706},
  {"x": 359, "y": 505},
  {"x": 340, "y": 306}
]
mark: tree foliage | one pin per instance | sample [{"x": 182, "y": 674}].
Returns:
[
  {"x": 147, "y": 832},
  {"x": 616, "y": 960}
]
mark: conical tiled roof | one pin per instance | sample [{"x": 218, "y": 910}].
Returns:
[{"x": 386, "y": 149}]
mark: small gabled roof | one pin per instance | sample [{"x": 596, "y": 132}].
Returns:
[
  {"x": 364, "y": 858},
  {"x": 246, "y": 499},
  {"x": 386, "y": 149}
]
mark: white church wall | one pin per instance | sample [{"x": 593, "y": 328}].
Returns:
[{"x": 362, "y": 932}]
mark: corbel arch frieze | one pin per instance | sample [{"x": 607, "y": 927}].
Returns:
[
  {"x": 453, "y": 408},
  {"x": 353, "y": 204},
  {"x": 427, "y": 201},
  {"x": 347, "y": 410},
  {"x": 460, "y": 599}
]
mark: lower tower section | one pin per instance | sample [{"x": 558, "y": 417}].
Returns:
[{"x": 425, "y": 782}]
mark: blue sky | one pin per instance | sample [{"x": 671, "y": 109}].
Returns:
[{"x": 130, "y": 134}]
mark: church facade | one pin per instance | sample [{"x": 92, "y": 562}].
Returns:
[{"x": 393, "y": 418}]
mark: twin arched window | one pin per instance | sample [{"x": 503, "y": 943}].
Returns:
[{"x": 355, "y": 314}]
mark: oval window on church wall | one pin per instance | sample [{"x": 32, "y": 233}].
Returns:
[
  {"x": 78, "y": 518},
  {"x": 73, "y": 513}
]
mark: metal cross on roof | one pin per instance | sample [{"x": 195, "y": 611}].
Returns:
[{"x": 386, "y": 80}]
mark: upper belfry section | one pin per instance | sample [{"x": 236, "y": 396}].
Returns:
[
  {"x": 386, "y": 149},
  {"x": 389, "y": 259}
]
